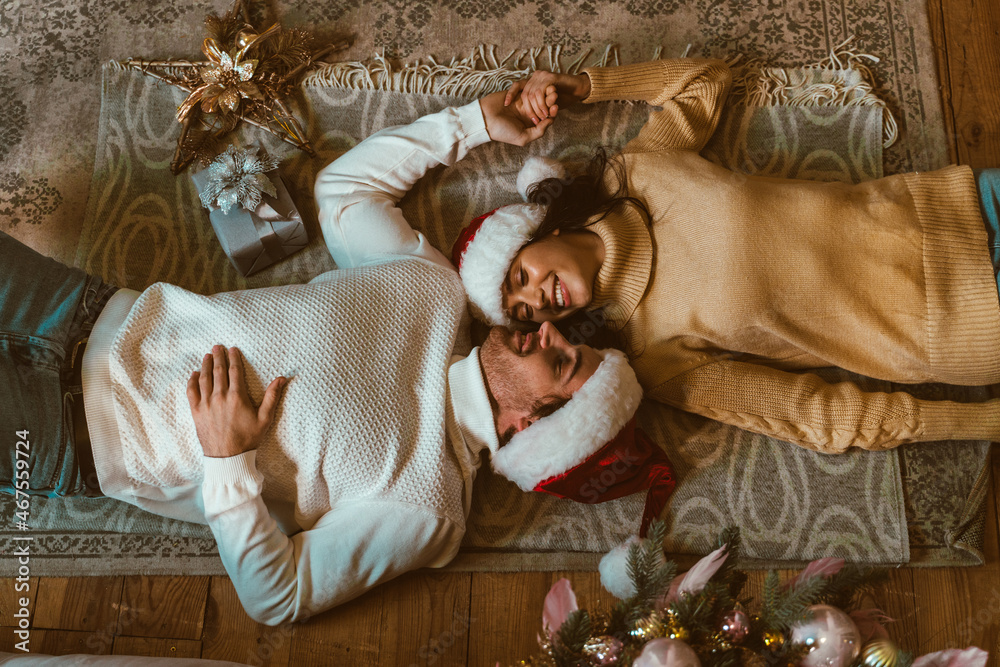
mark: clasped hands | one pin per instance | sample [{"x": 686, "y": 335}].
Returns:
[{"x": 523, "y": 112}]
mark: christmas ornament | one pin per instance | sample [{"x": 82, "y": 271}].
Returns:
[
  {"x": 679, "y": 633},
  {"x": 880, "y": 653},
  {"x": 831, "y": 637},
  {"x": 603, "y": 651},
  {"x": 237, "y": 178},
  {"x": 648, "y": 628},
  {"x": 663, "y": 652},
  {"x": 773, "y": 639},
  {"x": 720, "y": 643},
  {"x": 735, "y": 626},
  {"x": 246, "y": 77}
]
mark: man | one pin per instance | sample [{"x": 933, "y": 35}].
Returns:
[{"x": 358, "y": 462}]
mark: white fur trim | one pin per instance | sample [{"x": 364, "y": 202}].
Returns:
[
  {"x": 487, "y": 258},
  {"x": 537, "y": 169},
  {"x": 614, "y": 569},
  {"x": 563, "y": 440}
]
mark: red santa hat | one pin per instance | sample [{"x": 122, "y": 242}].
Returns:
[
  {"x": 487, "y": 246},
  {"x": 590, "y": 450}
]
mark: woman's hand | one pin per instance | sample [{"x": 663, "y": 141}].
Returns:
[
  {"x": 227, "y": 421},
  {"x": 538, "y": 97},
  {"x": 504, "y": 123}
]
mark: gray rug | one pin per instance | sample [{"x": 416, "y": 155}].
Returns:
[{"x": 792, "y": 505}]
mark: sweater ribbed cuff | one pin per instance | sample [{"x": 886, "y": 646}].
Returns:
[
  {"x": 642, "y": 81},
  {"x": 473, "y": 124},
  {"x": 962, "y": 308},
  {"x": 240, "y": 469},
  {"x": 948, "y": 420}
]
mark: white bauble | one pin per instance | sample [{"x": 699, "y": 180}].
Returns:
[
  {"x": 831, "y": 636},
  {"x": 663, "y": 652}
]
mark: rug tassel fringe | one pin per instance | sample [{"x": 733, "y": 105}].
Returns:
[
  {"x": 478, "y": 74},
  {"x": 847, "y": 79},
  {"x": 848, "y": 82}
]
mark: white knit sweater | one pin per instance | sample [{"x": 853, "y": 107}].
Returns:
[{"x": 370, "y": 462}]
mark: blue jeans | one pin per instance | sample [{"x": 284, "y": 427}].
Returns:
[
  {"x": 988, "y": 184},
  {"x": 46, "y": 308}
]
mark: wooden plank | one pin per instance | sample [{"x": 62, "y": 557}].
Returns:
[
  {"x": 895, "y": 597},
  {"x": 157, "y": 647},
  {"x": 506, "y": 613},
  {"x": 78, "y": 603},
  {"x": 935, "y": 10},
  {"x": 230, "y": 634},
  {"x": 970, "y": 29},
  {"x": 427, "y": 619},
  {"x": 163, "y": 607},
  {"x": 12, "y": 593},
  {"x": 350, "y": 634},
  {"x": 66, "y": 642}
]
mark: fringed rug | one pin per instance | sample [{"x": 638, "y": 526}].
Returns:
[{"x": 144, "y": 225}]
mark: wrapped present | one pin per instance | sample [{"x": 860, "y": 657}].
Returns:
[{"x": 250, "y": 209}]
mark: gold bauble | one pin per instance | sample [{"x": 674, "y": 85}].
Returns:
[
  {"x": 244, "y": 37},
  {"x": 880, "y": 653},
  {"x": 773, "y": 639},
  {"x": 648, "y": 628},
  {"x": 720, "y": 643}
]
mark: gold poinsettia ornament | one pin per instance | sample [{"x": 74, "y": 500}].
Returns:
[
  {"x": 246, "y": 78},
  {"x": 229, "y": 78}
]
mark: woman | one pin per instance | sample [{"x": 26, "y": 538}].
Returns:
[{"x": 728, "y": 288}]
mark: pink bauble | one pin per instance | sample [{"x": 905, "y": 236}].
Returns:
[
  {"x": 735, "y": 626},
  {"x": 831, "y": 636},
  {"x": 665, "y": 652}
]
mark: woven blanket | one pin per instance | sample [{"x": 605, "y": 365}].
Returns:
[{"x": 144, "y": 225}]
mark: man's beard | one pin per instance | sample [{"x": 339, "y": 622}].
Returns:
[{"x": 505, "y": 377}]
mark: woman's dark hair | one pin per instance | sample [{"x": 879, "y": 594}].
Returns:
[{"x": 573, "y": 202}]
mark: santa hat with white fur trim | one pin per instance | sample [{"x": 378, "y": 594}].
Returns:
[
  {"x": 488, "y": 244},
  {"x": 590, "y": 450}
]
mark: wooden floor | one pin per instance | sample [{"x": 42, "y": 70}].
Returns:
[{"x": 478, "y": 619}]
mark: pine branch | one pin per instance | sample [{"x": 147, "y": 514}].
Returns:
[
  {"x": 784, "y": 608},
  {"x": 772, "y": 594},
  {"x": 730, "y": 538},
  {"x": 572, "y": 635}
]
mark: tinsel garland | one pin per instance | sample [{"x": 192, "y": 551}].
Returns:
[{"x": 703, "y": 611}]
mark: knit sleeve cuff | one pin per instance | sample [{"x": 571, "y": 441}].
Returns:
[
  {"x": 641, "y": 81},
  {"x": 473, "y": 124},
  {"x": 230, "y": 481},
  {"x": 948, "y": 420}
]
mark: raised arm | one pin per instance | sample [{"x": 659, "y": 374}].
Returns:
[
  {"x": 689, "y": 93},
  {"x": 829, "y": 418},
  {"x": 280, "y": 578},
  {"x": 358, "y": 193}
]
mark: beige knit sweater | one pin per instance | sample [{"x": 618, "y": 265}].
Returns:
[{"x": 741, "y": 283}]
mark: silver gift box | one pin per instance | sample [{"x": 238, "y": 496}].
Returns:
[{"x": 254, "y": 240}]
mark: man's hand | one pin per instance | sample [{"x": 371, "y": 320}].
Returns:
[
  {"x": 538, "y": 97},
  {"x": 227, "y": 421},
  {"x": 503, "y": 123}
]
